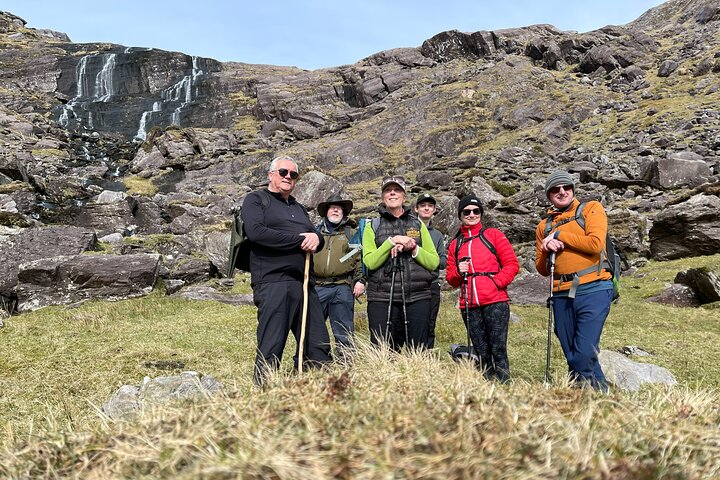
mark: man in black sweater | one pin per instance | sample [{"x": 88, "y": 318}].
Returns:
[{"x": 281, "y": 234}]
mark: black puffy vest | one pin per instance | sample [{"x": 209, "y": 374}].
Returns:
[{"x": 416, "y": 278}]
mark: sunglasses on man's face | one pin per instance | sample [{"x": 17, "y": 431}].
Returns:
[
  {"x": 556, "y": 190},
  {"x": 283, "y": 172},
  {"x": 471, "y": 211}
]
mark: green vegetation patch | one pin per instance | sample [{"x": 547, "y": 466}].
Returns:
[
  {"x": 389, "y": 415},
  {"x": 140, "y": 186}
]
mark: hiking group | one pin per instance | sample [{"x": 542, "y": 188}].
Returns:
[{"x": 303, "y": 274}]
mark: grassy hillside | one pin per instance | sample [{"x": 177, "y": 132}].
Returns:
[{"x": 405, "y": 416}]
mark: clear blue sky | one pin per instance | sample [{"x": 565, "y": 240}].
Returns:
[{"x": 305, "y": 33}]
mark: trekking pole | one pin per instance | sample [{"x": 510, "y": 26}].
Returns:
[
  {"x": 306, "y": 277},
  {"x": 467, "y": 309},
  {"x": 404, "y": 307},
  {"x": 393, "y": 269},
  {"x": 550, "y": 318}
]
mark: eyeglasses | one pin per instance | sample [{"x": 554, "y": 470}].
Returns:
[
  {"x": 283, "y": 172},
  {"x": 471, "y": 211},
  {"x": 556, "y": 190}
]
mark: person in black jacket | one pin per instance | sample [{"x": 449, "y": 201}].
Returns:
[
  {"x": 281, "y": 234},
  {"x": 425, "y": 208},
  {"x": 400, "y": 257}
]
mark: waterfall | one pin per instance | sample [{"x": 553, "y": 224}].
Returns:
[
  {"x": 183, "y": 91},
  {"x": 95, "y": 76},
  {"x": 142, "y": 129},
  {"x": 104, "y": 85}
]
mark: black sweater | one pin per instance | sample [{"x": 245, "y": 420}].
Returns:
[{"x": 274, "y": 232}]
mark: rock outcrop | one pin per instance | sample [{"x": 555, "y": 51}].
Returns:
[
  {"x": 130, "y": 400},
  {"x": 156, "y": 147}
]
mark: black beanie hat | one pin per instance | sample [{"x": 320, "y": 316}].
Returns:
[{"x": 471, "y": 199}]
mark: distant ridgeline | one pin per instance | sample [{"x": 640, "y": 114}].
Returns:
[{"x": 133, "y": 89}]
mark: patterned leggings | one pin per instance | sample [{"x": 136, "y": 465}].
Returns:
[{"x": 489, "y": 332}]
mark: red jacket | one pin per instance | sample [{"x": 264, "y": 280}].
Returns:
[{"x": 484, "y": 289}]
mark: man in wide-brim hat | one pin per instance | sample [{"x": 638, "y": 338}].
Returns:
[{"x": 339, "y": 276}]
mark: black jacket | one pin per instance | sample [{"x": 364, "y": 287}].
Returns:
[{"x": 275, "y": 253}]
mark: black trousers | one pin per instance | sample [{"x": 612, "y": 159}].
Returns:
[
  {"x": 418, "y": 319},
  {"x": 488, "y": 332},
  {"x": 434, "y": 309},
  {"x": 280, "y": 306}
]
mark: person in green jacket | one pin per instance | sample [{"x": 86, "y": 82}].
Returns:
[
  {"x": 338, "y": 271},
  {"x": 400, "y": 257}
]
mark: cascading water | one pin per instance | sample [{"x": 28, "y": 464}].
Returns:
[
  {"x": 95, "y": 83},
  {"x": 178, "y": 97}
]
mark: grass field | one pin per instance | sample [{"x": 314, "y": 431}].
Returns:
[{"x": 390, "y": 416}]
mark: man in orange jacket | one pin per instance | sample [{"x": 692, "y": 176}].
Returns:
[{"x": 582, "y": 287}]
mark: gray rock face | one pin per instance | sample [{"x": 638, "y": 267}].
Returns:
[
  {"x": 676, "y": 295},
  {"x": 465, "y": 112},
  {"x": 118, "y": 89},
  {"x": 529, "y": 289},
  {"x": 677, "y": 170},
  {"x": 705, "y": 284},
  {"x": 204, "y": 293},
  {"x": 666, "y": 68},
  {"x": 129, "y": 400},
  {"x": 36, "y": 244},
  {"x": 69, "y": 279},
  {"x": 687, "y": 229},
  {"x": 629, "y": 375}
]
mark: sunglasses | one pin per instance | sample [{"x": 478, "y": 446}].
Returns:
[
  {"x": 556, "y": 190},
  {"x": 471, "y": 211},
  {"x": 283, "y": 172}
]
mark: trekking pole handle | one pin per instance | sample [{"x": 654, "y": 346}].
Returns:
[{"x": 464, "y": 274}]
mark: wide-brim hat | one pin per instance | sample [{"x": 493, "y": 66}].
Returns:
[{"x": 335, "y": 199}]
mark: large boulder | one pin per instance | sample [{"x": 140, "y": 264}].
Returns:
[
  {"x": 129, "y": 400},
  {"x": 66, "y": 280},
  {"x": 687, "y": 229},
  {"x": 676, "y": 295},
  {"x": 705, "y": 283},
  {"x": 680, "y": 169},
  {"x": 529, "y": 289},
  {"x": 36, "y": 244},
  {"x": 629, "y": 375}
]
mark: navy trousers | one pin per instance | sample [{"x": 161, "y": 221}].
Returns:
[
  {"x": 280, "y": 306},
  {"x": 578, "y": 326},
  {"x": 338, "y": 304}
]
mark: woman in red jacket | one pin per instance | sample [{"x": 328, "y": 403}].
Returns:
[{"x": 488, "y": 275}]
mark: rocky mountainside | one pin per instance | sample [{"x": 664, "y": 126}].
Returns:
[{"x": 147, "y": 150}]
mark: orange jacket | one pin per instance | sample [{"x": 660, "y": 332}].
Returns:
[{"x": 582, "y": 247}]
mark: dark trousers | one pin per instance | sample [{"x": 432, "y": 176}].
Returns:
[
  {"x": 488, "y": 328},
  {"x": 338, "y": 304},
  {"x": 418, "y": 318},
  {"x": 578, "y": 326},
  {"x": 434, "y": 309},
  {"x": 280, "y": 306}
]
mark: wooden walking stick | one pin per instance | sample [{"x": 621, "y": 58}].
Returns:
[{"x": 306, "y": 278}]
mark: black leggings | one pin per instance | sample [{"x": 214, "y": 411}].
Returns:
[
  {"x": 418, "y": 318},
  {"x": 489, "y": 332}
]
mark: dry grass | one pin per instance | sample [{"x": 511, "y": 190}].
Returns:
[
  {"x": 415, "y": 415},
  {"x": 394, "y": 416}
]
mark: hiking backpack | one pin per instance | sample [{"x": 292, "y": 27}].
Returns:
[
  {"x": 610, "y": 258},
  {"x": 481, "y": 235},
  {"x": 239, "y": 256}
]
